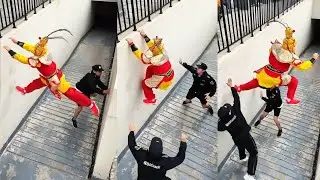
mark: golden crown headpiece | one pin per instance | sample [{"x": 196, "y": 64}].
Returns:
[
  {"x": 289, "y": 31},
  {"x": 289, "y": 42},
  {"x": 157, "y": 47},
  {"x": 41, "y": 45}
]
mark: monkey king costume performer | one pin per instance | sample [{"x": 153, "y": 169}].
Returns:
[
  {"x": 281, "y": 58},
  {"x": 159, "y": 73},
  {"x": 50, "y": 75}
]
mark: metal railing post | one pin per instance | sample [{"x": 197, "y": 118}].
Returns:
[
  {"x": 25, "y": 10},
  {"x": 35, "y": 7},
  {"x": 225, "y": 29},
  {"x": 239, "y": 22},
  {"x": 160, "y": 1},
  {"x": 149, "y": 13},
  {"x": 133, "y": 17},
  {"x": 12, "y": 14}
]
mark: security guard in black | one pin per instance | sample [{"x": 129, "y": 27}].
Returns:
[
  {"x": 232, "y": 120},
  {"x": 201, "y": 84},
  {"x": 91, "y": 82},
  {"x": 152, "y": 163}
]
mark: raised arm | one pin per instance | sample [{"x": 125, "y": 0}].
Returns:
[
  {"x": 134, "y": 148},
  {"x": 137, "y": 52},
  {"x": 27, "y": 46},
  {"x": 188, "y": 67},
  {"x": 150, "y": 42},
  {"x": 21, "y": 58},
  {"x": 172, "y": 162},
  {"x": 236, "y": 98},
  {"x": 305, "y": 65}
]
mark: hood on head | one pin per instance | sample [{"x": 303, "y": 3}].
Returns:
[
  {"x": 155, "y": 148},
  {"x": 226, "y": 113}
]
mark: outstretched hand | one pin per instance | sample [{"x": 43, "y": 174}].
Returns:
[
  {"x": 129, "y": 41},
  {"x": 107, "y": 91},
  {"x": 142, "y": 33},
  {"x": 132, "y": 127},
  {"x": 315, "y": 56},
  {"x": 183, "y": 137},
  {"x": 229, "y": 83},
  {"x": 6, "y": 48},
  {"x": 13, "y": 40}
]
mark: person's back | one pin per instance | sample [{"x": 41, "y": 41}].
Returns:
[
  {"x": 152, "y": 163},
  {"x": 149, "y": 167},
  {"x": 86, "y": 83}
]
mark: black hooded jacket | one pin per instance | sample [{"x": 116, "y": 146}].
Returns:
[
  {"x": 232, "y": 119},
  {"x": 91, "y": 84},
  {"x": 152, "y": 163}
]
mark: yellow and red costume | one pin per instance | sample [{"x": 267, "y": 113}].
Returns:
[
  {"x": 281, "y": 58},
  {"x": 50, "y": 75},
  {"x": 159, "y": 73}
]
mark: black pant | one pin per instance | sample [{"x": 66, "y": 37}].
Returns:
[
  {"x": 246, "y": 142},
  {"x": 200, "y": 95},
  {"x": 276, "y": 110}
]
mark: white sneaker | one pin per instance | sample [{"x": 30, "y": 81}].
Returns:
[
  {"x": 249, "y": 177},
  {"x": 245, "y": 159}
]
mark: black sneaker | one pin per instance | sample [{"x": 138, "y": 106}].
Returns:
[
  {"x": 257, "y": 123},
  {"x": 186, "y": 102},
  {"x": 210, "y": 110},
  {"x": 74, "y": 122},
  {"x": 279, "y": 132}
]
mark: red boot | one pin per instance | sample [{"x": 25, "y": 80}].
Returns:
[
  {"x": 292, "y": 101},
  {"x": 21, "y": 90},
  {"x": 292, "y": 87},
  {"x": 94, "y": 109},
  {"x": 150, "y": 101}
]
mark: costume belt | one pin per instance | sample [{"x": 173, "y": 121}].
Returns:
[
  {"x": 271, "y": 68},
  {"x": 167, "y": 74},
  {"x": 49, "y": 77}
]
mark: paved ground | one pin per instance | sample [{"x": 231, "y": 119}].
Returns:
[
  {"x": 291, "y": 156},
  {"x": 47, "y": 146},
  {"x": 170, "y": 120}
]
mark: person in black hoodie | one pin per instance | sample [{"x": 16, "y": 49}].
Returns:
[
  {"x": 152, "y": 163},
  {"x": 203, "y": 86},
  {"x": 89, "y": 85},
  {"x": 232, "y": 120},
  {"x": 274, "y": 103}
]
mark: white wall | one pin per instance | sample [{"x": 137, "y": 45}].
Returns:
[
  {"x": 316, "y": 9},
  {"x": 59, "y": 14},
  {"x": 253, "y": 54},
  {"x": 186, "y": 32},
  {"x": 106, "y": 148}
]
